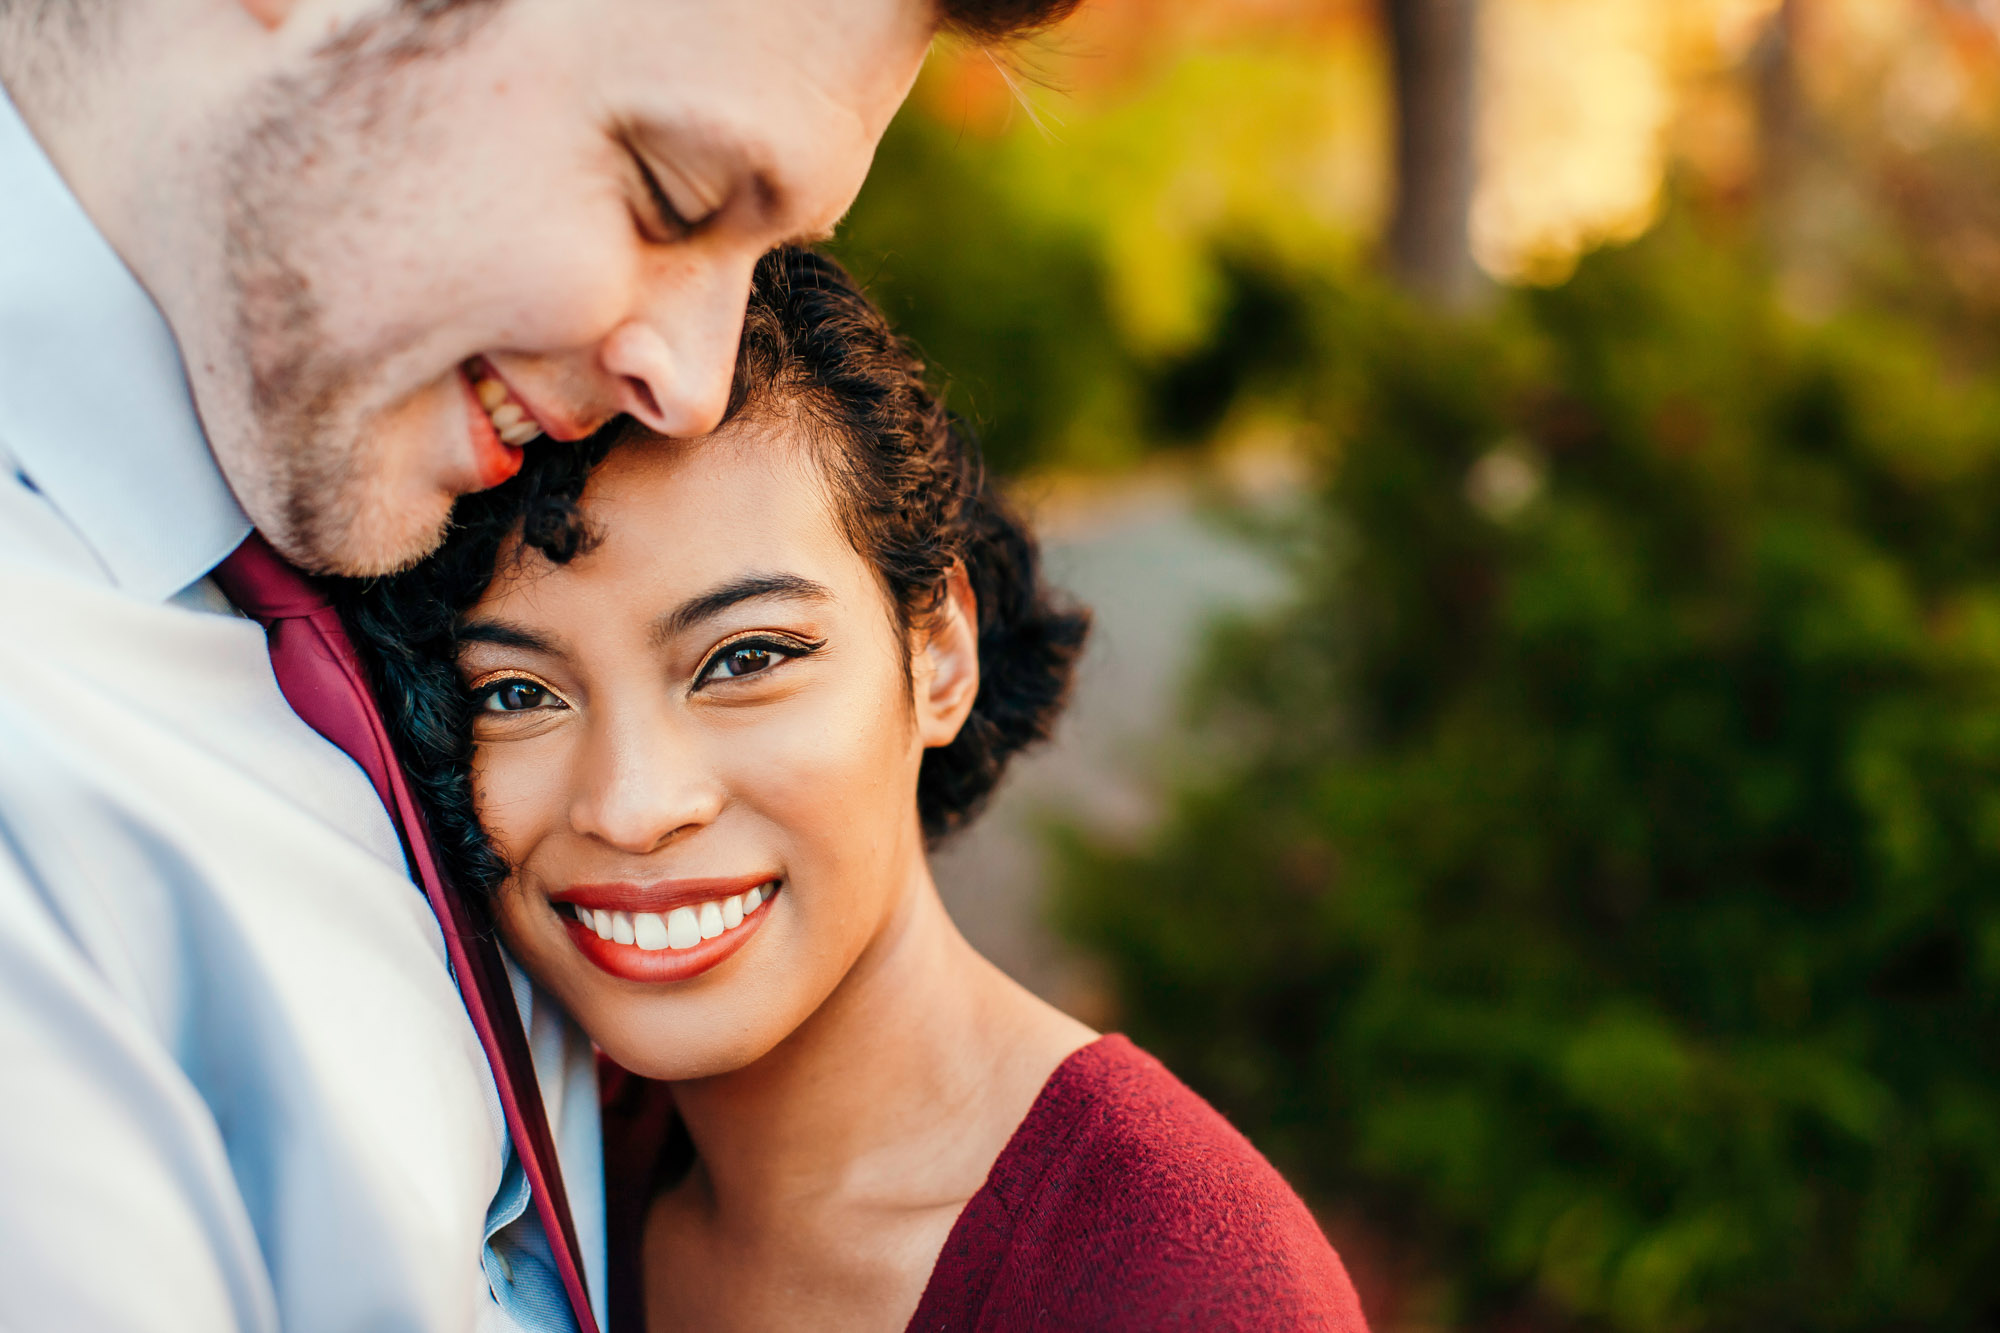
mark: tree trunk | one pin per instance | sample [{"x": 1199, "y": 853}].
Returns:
[
  {"x": 1783, "y": 127},
  {"x": 1808, "y": 202},
  {"x": 1434, "y": 50}
]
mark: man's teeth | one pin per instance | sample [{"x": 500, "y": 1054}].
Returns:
[
  {"x": 513, "y": 424},
  {"x": 682, "y": 928}
]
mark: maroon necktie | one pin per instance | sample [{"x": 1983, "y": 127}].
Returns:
[{"x": 322, "y": 679}]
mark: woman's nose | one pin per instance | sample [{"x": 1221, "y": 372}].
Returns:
[{"x": 640, "y": 789}]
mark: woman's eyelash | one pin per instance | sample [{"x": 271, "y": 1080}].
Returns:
[
  {"x": 488, "y": 687},
  {"x": 783, "y": 647}
]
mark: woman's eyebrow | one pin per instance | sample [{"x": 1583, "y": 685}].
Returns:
[
  {"x": 719, "y": 599},
  {"x": 504, "y": 634}
]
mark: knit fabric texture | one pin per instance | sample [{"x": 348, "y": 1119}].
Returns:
[{"x": 1124, "y": 1203}]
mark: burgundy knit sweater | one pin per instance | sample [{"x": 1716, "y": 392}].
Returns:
[{"x": 1123, "y": 1204}]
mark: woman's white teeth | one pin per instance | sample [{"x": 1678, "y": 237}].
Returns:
[
  {"x": 682, "y": 928},
  {"x": 648, "y": 931}
]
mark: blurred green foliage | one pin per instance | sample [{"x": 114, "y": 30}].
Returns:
[
  {"x": 1595, "y": 878},
  {"x": 1082, "y": 282},
  {"x": 1010, "y": 306}
]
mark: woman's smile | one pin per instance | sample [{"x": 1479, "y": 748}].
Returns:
[{"x": 664, "y": 932}]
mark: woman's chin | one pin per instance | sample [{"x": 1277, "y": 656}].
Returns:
[{"x": 644, "y": 1049}]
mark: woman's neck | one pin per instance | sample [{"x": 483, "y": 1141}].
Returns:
[
  {"x": 829, "y": 1173},
  {"x": 897, "y": 1094}
]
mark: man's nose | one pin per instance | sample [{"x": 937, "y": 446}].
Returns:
[{"x": 674, "y": 359}]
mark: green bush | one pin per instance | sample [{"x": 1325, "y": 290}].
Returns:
[
  {"x": 1011, "y": 306},
  {"x": 1598, "y": 881},
  {"x": 1098, "y": 284}
]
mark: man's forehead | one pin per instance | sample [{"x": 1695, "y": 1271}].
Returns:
[
  {"x": 834, "y": 56},
  {"x": 772, "y": 97}
]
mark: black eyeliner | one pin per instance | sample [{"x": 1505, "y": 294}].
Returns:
[
  {"x": 785, "y": 644},
  {"x": 477, "y": 695}
]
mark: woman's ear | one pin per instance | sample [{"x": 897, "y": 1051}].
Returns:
[{"x": 944, "y": 663}]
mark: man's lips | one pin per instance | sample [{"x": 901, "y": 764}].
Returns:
[
  {"x": 494, "y": 458},
  {"x": 692, "y": 925},
  {"x": 516, "y": 418}
]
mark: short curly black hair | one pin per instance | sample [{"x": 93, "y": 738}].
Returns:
[{"x": 914, "y": 499}]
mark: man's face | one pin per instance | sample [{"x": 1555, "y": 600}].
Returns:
[{"x": 448, "y": 236}]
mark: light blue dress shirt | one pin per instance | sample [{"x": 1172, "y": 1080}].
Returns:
[{"x": 237, "y": 1088}]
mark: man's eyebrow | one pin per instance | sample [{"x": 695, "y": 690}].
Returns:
[
  {"x": 504, "y": 634},
  {"x": 748, "y": 588}
]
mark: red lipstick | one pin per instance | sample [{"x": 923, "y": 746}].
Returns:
[{"x": 630, "y": 962}]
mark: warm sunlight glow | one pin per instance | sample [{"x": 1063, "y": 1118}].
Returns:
[{"x": 1577, "y": 100}]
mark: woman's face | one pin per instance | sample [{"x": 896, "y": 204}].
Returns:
[{"x": 699, "y": 739}]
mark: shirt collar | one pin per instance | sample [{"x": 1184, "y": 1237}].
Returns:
[{"x": 94, "y": 404}]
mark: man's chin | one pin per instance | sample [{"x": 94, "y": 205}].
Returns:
[{"x": 364, "y": 541}]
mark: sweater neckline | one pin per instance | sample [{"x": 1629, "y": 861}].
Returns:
[{"x": 978, "y": 1241}]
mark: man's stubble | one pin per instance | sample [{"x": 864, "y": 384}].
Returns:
[{"x": 306, "y": 152}]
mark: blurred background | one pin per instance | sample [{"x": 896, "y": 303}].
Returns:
[{"x": 1536, "y": 465}]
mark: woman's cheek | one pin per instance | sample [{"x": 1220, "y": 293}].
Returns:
[
  {"x": 508, "y": 797},
  {"x": 833, "y": 777}
]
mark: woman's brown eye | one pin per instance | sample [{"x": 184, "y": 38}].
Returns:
[
  {"x": 513, "y": 696},
  {"x": 751, "y": 657},
  {"x": 748, "y": 658},
  {"x": 745, "y": 661}
]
